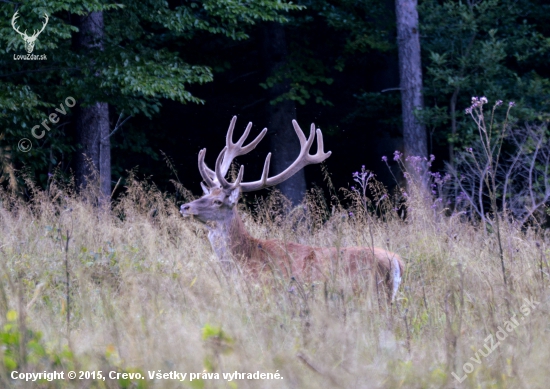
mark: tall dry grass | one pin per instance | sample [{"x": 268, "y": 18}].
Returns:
[{"x": 147, "y": 293}]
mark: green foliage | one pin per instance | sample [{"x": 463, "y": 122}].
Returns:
[
  {"x": 24, "y": 347},
  {"x": 480, "y": 48},
  {"x": 368, "y": 24},
  {"x": 142, "y": 61},
  {"x": 218, "y": 338},
  {"x": 351, "y": 27},
  {"x": 303, "y": 71},
  {"x": 152, "y": 52},
  {"x": 369, "y": 106}
]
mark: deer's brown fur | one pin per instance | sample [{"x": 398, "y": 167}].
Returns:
[
  {"x": 217, "y": 209},
  {"x": 307, "y": 263}
]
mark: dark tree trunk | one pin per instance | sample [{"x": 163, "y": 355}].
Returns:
[
  {"x": 415, "y": 138},
  {"x": 92, "y": 125},
  {"x": 284, "y": 143},
  {"x": 92, "y": 122}
]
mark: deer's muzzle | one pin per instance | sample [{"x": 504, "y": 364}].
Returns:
[{"x": 186, "y": 210}]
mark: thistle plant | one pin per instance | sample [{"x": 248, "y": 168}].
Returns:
[
  {"x": 418, "y": 175},
  {"x": 520, "y": 173},
  {"x": 362, "y": 179},
  {"x": 487, "y": 162}
]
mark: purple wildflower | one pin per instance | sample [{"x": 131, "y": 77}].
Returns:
[
  {"x": 462, "y": 197},
  {"x": 397, "y": 155}
]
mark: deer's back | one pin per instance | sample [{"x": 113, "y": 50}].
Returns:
[{"x": 317, "y": 263}]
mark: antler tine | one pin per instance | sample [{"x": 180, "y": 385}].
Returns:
[
  {"x": 305, "y": 149},
  {"x": 239, "y": 177},
  {"x": 227, "y": 155},
  {"x": 217, "y": 168},
  {"x": 43, "y": 26},
  {"x": 303, "y": 159},
  {"x": 229, "y": 136},
  {"x": 320, "y": 155},
  {"x": 13, "y": 19},
  {"x": 233, "y": 148},
  {"x": 221, "y": 178},
  {"x": 321, "y": 146},
  {"x": 265, "y": 172},
  {"x": 206, "y": 173},
  {"x": 300, "y": 133},
  {"x": 252, "y": 145},
  {"x": 236, "y": 149}
]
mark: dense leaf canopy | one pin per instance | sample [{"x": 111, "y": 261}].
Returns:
[{"x": 158, "y": 56}]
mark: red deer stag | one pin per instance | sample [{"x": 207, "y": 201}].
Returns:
[{"x": 217, "y": 209}]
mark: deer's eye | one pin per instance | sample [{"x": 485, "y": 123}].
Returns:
[{"x": 217, "y": 202}]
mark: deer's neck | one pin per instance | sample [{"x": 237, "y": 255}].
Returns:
[{"x": 230, "y": 239}]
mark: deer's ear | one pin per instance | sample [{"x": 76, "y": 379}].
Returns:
[
  {"x": 205, "y": 189},
  {"x": 234, "y": 195}
]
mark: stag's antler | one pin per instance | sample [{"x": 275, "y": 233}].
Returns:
[
  {"x": 232, "y": 150},
  {"x": 304, "y": 159},
  {"x": 43, "y": 25},
  {"x": 29, "y": 40},
  {"x": 228, "y": 154},
  {"x": 13, "y": 19},
  {"x": 24, "y": 34}
]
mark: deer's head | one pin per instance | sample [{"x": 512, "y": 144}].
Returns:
[
  {"x": 29, "y": 40},
  {"x": 220, "y": 196},
  {"x": 216, "y": 205}
]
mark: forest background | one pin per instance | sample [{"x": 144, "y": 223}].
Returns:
[
  {"x": 162, "y": 79},
  {"x": 133, "y": 288}
]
